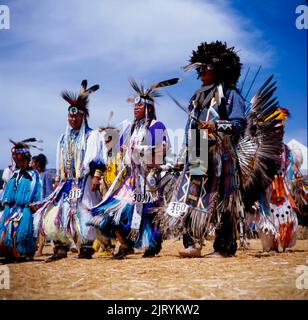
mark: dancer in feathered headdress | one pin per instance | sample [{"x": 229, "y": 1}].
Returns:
[
  {"x": 238, "y": 155},
  {"x": 9, "y": 171},
  {"x": 39, "y": 163},
  {"x": 218, "y": 107},
  {"x": 112, "y": 158},
  {"x": 78, "y": 104},
  {"x": 125, "y": 211},
  {"x": 63, "y": 215},
  {"x": 218, "y": 58},
  {"x": 17, "y": 241}
]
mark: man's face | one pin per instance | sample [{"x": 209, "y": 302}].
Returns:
[
  {"x": 22, "y": 163},
  {"x": 75, "y": 120},
  {"x": 139, "y": 111},
  {"x": 207, "y": 77},
  {"x": 34, "y": 164}
]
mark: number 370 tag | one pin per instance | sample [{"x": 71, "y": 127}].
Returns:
[{"x": 176, "y": 209}]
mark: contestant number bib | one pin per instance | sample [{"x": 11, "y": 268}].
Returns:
[
  {"x": 176, "y": 209},
  {"x": 17, "y": 216},
  {"x": 75, "y": 193},
  {"x": 140, "y": 198}
]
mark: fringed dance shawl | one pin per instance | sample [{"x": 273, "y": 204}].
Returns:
[
  {"x": 244, "y": 172},
  {"x": 198, "y": 194},
  {"x": 16, "y": 223},
  {"x": 113, "y": 165},
  {"x": 77, "y": 156},
  {"x": 278, "y": 220},
  {"x": 119, "y": 203},
  {"x": 75, "y": 152}
]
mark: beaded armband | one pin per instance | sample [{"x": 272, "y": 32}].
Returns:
[{"x": 223, "y": 126}]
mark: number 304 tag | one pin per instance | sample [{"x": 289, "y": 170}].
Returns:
[
  {"x": 176, "y": 209},
  {"x": 75, "y": 193}
]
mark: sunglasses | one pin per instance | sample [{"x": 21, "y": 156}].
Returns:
[{"x": 207, "y": 67}]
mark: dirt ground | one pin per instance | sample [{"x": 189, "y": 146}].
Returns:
[{"x": 249, "y": 275}]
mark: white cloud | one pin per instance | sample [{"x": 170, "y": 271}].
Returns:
[
  {"x": 134, "y": 34},
  {"x": 54, "y": 46}
]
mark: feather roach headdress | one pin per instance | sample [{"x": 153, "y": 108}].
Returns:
[
  {"x": 21, "y": 150},
  {"x": 80, "y": 102},
  {"x": 218, "y": 57},
  {"x": 149, "y": 95}
]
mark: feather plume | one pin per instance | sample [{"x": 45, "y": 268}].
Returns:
[
  {"x": 35, "y": 147},
  {"x": 164, "y": 83},
  {"x": 69, "y": 96},
  {"x": 83, "y": 86},
  {"x": 152, "y": 92},
  {"x": 25, "y": 143},
  {"x": 139, "y": 90},
  {"x": 80, "y": 100},
  {"x": 32, "y": 140},
  {"x": 109, "y": 128},
  {"x": 259, "y": 149},
  {"x": 13, "y": 142},
  {"x": 110, "y": 117},
  {"x": 92, "y": 89},
  {"x": 191, "y": 66}
]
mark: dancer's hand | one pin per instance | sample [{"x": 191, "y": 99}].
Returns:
[
  {"x": 95, "y": 183},
  {"x": 179, "y": 166},
  {"x": 55, "y": 185},
  {"x": 123, "y": 148},
  {"x": 32, "y": 207}
]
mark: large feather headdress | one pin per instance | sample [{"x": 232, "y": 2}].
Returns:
[
  {"x": 22, "y": 148},
  {"x": 218, "y": 57},
  {"x": 81, "y": 100},
  {"x": 149, "y": 95}
]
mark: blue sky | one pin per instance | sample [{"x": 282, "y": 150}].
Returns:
[{"x": 53, "y": 45}]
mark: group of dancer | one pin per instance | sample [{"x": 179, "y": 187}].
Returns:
[{"x": 119, "y": 187}]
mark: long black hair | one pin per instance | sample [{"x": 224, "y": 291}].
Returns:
[
  {"x": 41, "y": 161},
  {"x": 151, "y": 115}
]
